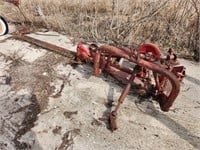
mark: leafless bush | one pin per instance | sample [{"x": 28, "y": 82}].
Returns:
[{"x": 169, "y": 23}]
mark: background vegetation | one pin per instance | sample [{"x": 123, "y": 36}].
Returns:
[{"x": 169, "y": 23}]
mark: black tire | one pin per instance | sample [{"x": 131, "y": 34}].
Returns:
[{"x": 3, "y": 26}]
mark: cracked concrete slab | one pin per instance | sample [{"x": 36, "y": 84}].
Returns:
[{"x": 51, "y": 105}]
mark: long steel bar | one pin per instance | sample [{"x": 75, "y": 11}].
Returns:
[{"x": 45, "y": 45}]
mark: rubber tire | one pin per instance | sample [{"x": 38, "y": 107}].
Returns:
[{"x": 4, "y": 26}]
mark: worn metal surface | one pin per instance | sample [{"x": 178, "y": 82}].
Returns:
[
  {"x": 105, "y": 58},
  {"x": 46, "y": 45},
  {"x": 120, "y": 101},
  {"x": 156, "y": 68},
  {"x": 15, "y": 2},
  {"x": 144, "y": 59}
]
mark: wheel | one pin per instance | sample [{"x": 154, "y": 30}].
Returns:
[
  {"x": 3, "y": 26},
  {"x": 150, "y": 52}
]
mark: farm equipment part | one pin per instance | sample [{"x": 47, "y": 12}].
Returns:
[
  {"x": 149, "y": 73},
  {"x": 146, "y": 71},
  {"x": 15, "y": 2}
]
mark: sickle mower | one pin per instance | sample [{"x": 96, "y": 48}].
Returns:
[{"x": 149, "y": 73}]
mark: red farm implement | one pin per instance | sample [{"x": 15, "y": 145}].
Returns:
[{"x": 146, "y": 71}]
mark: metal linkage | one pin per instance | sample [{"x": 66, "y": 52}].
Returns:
[{"x": 150, "y": 73}]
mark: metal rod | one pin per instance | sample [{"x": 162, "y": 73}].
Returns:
[{"x": 46, "y": 45}]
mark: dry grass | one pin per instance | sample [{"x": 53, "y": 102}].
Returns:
[{"x": 169, "y": 23}]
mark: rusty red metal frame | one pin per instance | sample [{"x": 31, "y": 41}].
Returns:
[
  {"x": 109, "y": 52},
  {"x": 147, "y": 65},
  {"x": 147, "y": 58}
]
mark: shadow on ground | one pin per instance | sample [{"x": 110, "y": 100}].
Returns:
[
  {"x": 177, "y": 128},
  {"x": 193, "y": 80}
]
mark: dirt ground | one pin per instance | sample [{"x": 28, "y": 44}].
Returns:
[{"x": 48, "y": 105}]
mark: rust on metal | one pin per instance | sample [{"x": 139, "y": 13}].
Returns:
[
  {"x": 120, "y": 101},
  {"x": 146, "y": 59},
  {"x": 112, "y": 120},
  {"x": 46, "y": 45},
  {"x": 15, "y": 2},
  {"x": 149, "y": 73}
]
